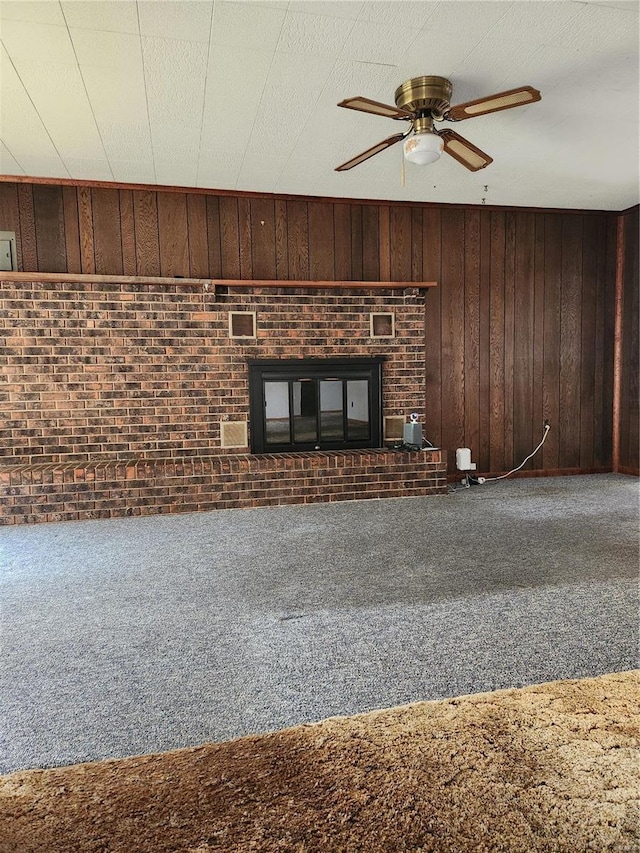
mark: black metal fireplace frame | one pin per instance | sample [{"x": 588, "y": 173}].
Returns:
[{"x": 314, "y": 369}]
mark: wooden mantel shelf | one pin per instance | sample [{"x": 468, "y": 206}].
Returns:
[{"x": 212, "y": 283}]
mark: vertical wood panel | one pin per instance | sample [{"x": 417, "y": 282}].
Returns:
[
  {"x": 48, "y": 210},
  {"x": 453, "y": 319},
  {"x": 213, "y": 237},
  {"x": 172, "y": 234},
  {"x": 197, "y": 231},
  {"x": 230, "y": 237},
  {"x": 523, "y": 338},
  {"x": 629, "y": 405},
  {"x": 85, "y": 223},
  {"x": 107, "y": 235},
  {"x": 244, "y": 225},
  {"x": 27, "y": 228},
  {"x": 357, "y": 243},
  {"x": 282, "y": 244},
  {"x": 538, "y": 339},
  {"x": 371, "y": 244},
  {"x": 509, "y": 336},
  {"x": 263, "y": 229},
  {"x": 432, "y": 269},
  {"x": 551, "y": 361},
  {"x": 416, "y": 244},
  {"x": 609, "y": 320},
  {"x": 128, "y": 232},
  {"x": 71, "y": 229},
  {"x": 633, "y": 343},
  {"x": 10, "y": 216},
  {"x": 570, "y": 342},
  {"x": 321, "y": 241},
  {"x": 472, "y": 330},
  {"x": 298, "y": 239},
  {"x": 399, "y": 246},
  {"x": 342, "y": 242},
  {"x": 588, "y": 340},
  {"x": 620, "y": 368},
  {"x": 9, "y": 211},
  {"x": 384, "y": 243},
  {"x": 601, "y": 416},
  {"x": 632, "y": 285},
  {"x": 496, "y": 343},
  {"x": 145, "y": 216},
  {"x": 484, "y": 417}
]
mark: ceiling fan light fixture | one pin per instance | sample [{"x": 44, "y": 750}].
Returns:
[
  {"x": 423, "y": 100},
  {"x": 423, "y": 148}
]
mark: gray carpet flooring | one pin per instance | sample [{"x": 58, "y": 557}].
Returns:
[{"x": 139, "y": 635}]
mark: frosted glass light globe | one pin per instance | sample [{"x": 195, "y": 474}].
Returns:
[{"x": 423, "y": 148}]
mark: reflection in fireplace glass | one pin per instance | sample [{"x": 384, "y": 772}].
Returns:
[
  {"x": 331, "y": 410},
  {"x": 276, "y": 403},
  {"x": 304, "y": 411},
  {"x": 358, "y": 409},
  {"x": 305, "y": 415}
]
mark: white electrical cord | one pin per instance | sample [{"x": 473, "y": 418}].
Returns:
[{"x": 524, "y": 461}]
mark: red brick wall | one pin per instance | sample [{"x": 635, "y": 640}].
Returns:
[{"x": 144, "y": 371}]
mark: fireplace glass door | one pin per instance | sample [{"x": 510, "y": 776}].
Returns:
[{"x": 315, "y": 404}]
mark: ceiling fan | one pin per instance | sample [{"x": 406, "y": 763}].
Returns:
[{"x": 423, "y": 100}]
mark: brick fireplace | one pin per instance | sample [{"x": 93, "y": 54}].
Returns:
[{"x": 131, "y": 396}]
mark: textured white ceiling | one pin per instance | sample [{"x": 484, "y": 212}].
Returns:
[{"x": 242, "y": 95}]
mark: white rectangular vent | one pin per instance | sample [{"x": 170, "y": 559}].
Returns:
[{"x": 233, "y": 434}]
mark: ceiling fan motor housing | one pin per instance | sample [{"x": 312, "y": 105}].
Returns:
[{"x": 420, "y": 94}]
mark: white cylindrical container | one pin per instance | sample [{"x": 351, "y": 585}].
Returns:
[{"x": 463, "y": 459}]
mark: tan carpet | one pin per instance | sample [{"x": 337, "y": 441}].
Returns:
[{"x": 549, "y": 768}]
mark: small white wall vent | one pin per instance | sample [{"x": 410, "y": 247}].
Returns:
[{"x": 233, "y": 434}]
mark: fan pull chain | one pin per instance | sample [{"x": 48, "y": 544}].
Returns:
[{"x": 403, "y": 182}]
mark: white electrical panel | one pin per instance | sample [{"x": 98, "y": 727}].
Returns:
[
  {"x": 8, "y": 251},
  {"x": 6, "y": 260}
]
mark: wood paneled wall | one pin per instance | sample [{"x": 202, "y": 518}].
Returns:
[
  {"x": 519, "y": 329},
  {"x": 629, "y": 408}
]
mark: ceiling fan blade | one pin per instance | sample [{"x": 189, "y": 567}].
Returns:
[
  {"x": 464, "y": 152},
  {"x": 366, "y": 105},
  {"x": 376, "y": 149},
  {"x": 494, "y": 103}
]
